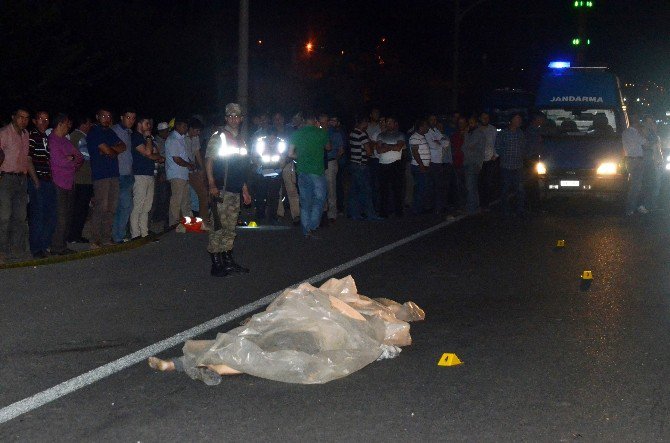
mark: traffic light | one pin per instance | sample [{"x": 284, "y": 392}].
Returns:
[{"x": 578, "y": 41}]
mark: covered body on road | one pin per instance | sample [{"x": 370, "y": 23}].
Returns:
[{"x": 306, "y": 335}]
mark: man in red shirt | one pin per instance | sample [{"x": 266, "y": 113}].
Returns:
[{"x": 13, "y": 184}]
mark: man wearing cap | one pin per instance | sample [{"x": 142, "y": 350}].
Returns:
[
  {"x": 177, "y": 168},
  {"x": 227, "y": 167},
  {"x": 14, "y": 146},
  {"x": 161, "y": 204}
]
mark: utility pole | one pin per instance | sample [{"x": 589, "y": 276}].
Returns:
[
  {"x": 582, "y": 41},
  {"x": 454, "y": 62},
  {"x": 243, "y": 61},
  {"x": 458, "y": 17}
]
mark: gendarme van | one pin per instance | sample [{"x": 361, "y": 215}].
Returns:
[{"x": 581, "y": 142}]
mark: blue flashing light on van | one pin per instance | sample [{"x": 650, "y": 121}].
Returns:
[
  {"x": 581, "y": 141},
  {"x": 559, "y": 64}
]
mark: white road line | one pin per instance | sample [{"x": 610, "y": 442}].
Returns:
[{"x": 47, "y": 396}]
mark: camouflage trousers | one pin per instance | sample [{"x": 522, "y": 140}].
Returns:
[{"x": 222, "y": 233}]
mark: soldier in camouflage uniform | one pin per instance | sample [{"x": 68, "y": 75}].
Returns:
[{"x": 227, "y": 167}]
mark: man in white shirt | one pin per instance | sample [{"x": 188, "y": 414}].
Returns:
[
  {"x": 177, "y": 168},
  {"x": 633, "y": 143},
  {"x": 489, "y": 177},
  {"x": 160, "y": 207},
  {"x": 438, "y": 185},
  {"x": 391, "y": 142},
  {"x": 420, "y": 165}
]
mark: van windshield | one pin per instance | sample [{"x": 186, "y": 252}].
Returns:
[{"x": 581, "y": 122}]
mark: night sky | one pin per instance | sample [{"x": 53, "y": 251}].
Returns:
[{"x": 167, "y": 57}]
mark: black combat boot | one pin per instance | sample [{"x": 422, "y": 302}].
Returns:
[
  {"x": 218, "y": 267},
  {"x": 230, "y": 264}
]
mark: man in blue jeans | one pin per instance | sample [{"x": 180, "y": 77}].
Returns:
[
  {"x": 123, "y": 130},
  {"x": 307, "y": 146},
  {"x": 41, "y": 190},
  {"x": 360, "y": 192}
]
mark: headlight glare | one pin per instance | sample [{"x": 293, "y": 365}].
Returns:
[
  {"x": 540, "y": 168},
  {"x": 607, "y": 169},
  {"x": 260, "y": 146}
]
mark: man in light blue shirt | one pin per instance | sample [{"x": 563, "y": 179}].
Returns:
[
  {"x": 177, "y": 167},
  {"x": 123, "y": 130}
]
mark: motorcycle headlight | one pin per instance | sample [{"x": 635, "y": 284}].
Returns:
[
  {"x": 281, "y": 146},
  {"x": 260, "y": 146},
  {"x": 540, "y": 168},
  {"x": 275, "y": 158},
  {"x": 243, "y": 151},
  {"x": 607, "y": 169},
  {"x": 266, "y": 158}
]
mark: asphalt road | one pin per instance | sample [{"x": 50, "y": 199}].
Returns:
[{"x": 544, "y": 358}]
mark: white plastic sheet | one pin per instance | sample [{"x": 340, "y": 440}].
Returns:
[{"x": 309, "y": 335}]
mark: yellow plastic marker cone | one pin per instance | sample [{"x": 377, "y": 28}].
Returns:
[
  {"x": 587, "y": 275},
  {"x": 449, "y": 360},
  {"x": 253, "y": 224},
  {"x": 560, "y": 243}
]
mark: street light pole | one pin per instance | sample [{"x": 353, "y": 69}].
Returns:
[
  {"x": 458, "y": 17},
  {"x": 455, "y": 55},
  {"x": 243, "y": 61}
]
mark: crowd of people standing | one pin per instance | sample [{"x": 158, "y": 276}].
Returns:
[
  {"x": 124, "y": 180},
  {"x": 120, "y": 179}
]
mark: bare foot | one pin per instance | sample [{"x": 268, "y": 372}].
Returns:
[
  {"x": 223, "y": 370},
  {"x": 161, "y": 365}
]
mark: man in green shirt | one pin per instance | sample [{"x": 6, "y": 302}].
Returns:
[{"x": 307, "y": 146}]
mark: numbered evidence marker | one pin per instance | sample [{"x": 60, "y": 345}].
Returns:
[
  {"x": 449, "y": 360},
  {"x": 587, "y": 279},
  {"x": 560, "y": 243}
]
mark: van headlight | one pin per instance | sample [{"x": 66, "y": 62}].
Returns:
[
  {"x": 607, "y": 169},
  {"x": 540, "y": 168}
]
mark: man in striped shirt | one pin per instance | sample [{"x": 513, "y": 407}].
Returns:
[
  {"x": 360, "y": 193},
  {"x": 41, "y": 190},
  {"x": 420, "y": 165}
]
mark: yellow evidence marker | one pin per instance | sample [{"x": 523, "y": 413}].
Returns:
[
  {"x": 560, "y": 243},
  {"x": 587, "y": 275},
  {"x": 253, "y": 224},
  {"x": 449, "y": 360}
]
